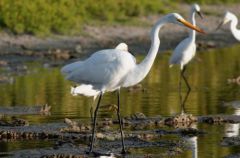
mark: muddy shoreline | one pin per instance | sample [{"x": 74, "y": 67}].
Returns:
[{"x": 70, "y": 138}]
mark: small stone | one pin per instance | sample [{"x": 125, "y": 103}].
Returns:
[
  {"x": 3, "y": 63},
  {"x": 78, "y": 48},
  {"x": 99, "y": 135}
]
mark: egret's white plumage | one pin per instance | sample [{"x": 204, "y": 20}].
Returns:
[
  {"x": 87, "y": 89},
  {"x": 185, "y": 50},
  {"x": 111, "y": 69},
  {"x": 122, "y": 46},
  {"x": 104, "y": 70},
  {"x": 230, "y": 17},
  {"x": 184, "y": 53}
]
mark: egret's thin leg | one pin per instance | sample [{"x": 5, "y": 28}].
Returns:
[
  {"x": 185, "y": 79},
  {"x": 120, "y": 122},
  {"x": 180, "y": 87},
  {"x": 186, "y": 97},
  {"x": 91, "y": 110},
  {"x": 94, "y": 122},
  {"x": 188, "y": 92},
  {"x": 91, "y": 114}
]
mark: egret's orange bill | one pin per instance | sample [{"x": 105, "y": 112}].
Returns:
[{"x": 188, "y": 24}]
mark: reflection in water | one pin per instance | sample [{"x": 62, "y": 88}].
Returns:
[
  {"x": 184, "y": 100},
  {"x": 182, "y": 76},
  {"x": 232, "y": 130},
  {"x": 193, "y": 143},
  {"x": 208, "y": 81},
  {"x": 111, "y": 156},
  {"x": 160, "y": 98}
]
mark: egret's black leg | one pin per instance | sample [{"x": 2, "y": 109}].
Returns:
[
  {"x": 120, "y": 122},
  {"x": 186, "y": 97},
  {"x": 91, "y": 111},
  {"x": 188, "y": 92},
  {"x": 185, "y": 79},
  {"x": 180, "y": 87},
  {"x": 94, "y": 122}
]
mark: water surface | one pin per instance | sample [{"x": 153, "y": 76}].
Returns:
[{"x": 207, "y": 74}]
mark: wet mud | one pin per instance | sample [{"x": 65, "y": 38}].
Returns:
[{"x": 71, "y": 137}]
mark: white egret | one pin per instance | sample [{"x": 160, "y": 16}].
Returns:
[
  {"x": 87, "y": 90},
  {"x": 110, "y": 69},
  {"x": 230, "y": 17},
  {"x": 185, "y": 50}
]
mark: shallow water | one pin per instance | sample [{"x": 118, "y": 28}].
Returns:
[{"x": 207, "y": 75}]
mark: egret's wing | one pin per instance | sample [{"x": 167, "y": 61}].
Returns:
[
  {"x": 102, "y": 67},
  {"x": 68, "y": 69},
  {"x": 184, "y": 52},
  {"x": 124, "y": 47}
]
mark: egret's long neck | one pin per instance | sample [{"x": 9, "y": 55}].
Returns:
[
  {"x": 142, "y": 69},
  {"x": 233, "y": 27},
  {"x": 147, "y": 62},
  {"x": 192, "y": 33}
]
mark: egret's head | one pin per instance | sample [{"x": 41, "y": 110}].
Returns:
[
  {"x": 178, "y": 19},
  {"x": 196, "y": 8},
  {"x": 228, "y": 16}
]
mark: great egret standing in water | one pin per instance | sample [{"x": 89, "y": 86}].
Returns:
[
  {"x": 88, "y": 91},
  {"x": 185, "y": 50},
  {"x": 230, "y": 17},
  {"x": 110, "y": 69}
]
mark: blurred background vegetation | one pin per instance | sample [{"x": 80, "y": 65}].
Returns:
[{"x": 67, "y": 16}]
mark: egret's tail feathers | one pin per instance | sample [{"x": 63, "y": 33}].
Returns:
[{"x": 84, "y": 89}]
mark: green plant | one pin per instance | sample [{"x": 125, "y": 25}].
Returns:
[{"x": 43, "y": 17}]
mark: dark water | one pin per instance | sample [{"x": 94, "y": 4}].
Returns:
[{"x": 207, "y": 75}]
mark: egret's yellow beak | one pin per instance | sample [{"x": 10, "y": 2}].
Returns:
[{"x": 188, "y": 24}]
